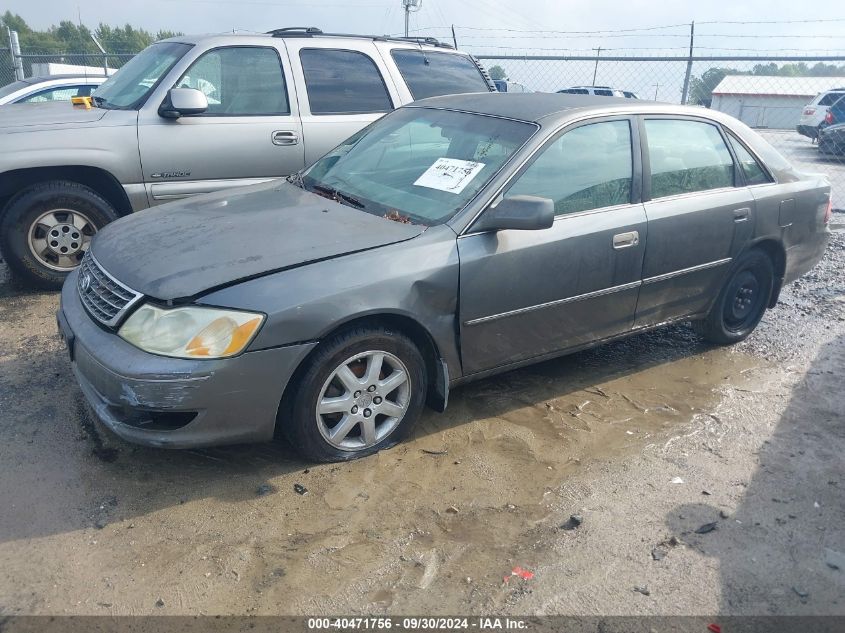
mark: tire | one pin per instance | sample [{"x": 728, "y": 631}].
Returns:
[
  {"x": 67, "y": 211},
  {"x": 346, "y": 434},
  {"x": 741, "y": 302}
]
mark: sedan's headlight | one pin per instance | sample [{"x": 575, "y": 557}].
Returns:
[{"x": 190, "y": 332}]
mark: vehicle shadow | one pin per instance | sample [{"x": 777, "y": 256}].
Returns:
[
  {"x": 64, "y": 471},
  {"x": 782, "y": 552}
]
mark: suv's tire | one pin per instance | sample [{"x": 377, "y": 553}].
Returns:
[
  {"x": 742, "y": 301},
  {"x": 45, "y": 229},
  {"x": 375, "y": 413}
]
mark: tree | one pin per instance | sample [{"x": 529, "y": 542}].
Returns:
[
  {"x": 68, "y": 37},
  {"x": 701, "y": 88},
  {"x": 497, "y": 72}
]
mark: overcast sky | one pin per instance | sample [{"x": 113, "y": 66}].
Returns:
[{"x": 386, "y": 16}]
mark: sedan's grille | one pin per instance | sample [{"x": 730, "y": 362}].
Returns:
[{"x": 105, "y": 298}]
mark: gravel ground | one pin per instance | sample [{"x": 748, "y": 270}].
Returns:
[{"x": 753, "y": 435}]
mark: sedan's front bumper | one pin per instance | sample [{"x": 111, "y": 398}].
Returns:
[{"x": 172, "y": 402}]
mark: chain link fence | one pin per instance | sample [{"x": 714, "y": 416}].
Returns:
[
  {"x": 7, "y": 66},
  {"x": 35, "y": 63},
  {"x": 772, "y": 95}
]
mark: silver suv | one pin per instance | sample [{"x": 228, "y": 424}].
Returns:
[{"x": 192, "y": 115}]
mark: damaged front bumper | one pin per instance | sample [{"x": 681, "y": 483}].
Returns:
[{"x": 170, "y": 402}]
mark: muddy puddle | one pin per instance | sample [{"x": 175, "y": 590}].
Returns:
[{"x": 428, "y": 527}]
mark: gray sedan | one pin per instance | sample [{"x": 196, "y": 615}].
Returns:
[{"x": 454, "y": 238}]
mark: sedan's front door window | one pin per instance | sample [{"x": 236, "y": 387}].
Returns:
[
  {"x": 687, "y": 156},
  {"x": 590, "y": 167}
]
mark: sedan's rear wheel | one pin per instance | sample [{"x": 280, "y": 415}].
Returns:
[
  {"x": 361, "y": 392},
  {"x": 742, "y": 301}
]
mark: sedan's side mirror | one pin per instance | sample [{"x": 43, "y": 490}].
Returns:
[
  {"x": 526, "y": 213},
  {"x": 183, "y": 102}
]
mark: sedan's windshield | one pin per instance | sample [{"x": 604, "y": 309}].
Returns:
[
  {"x": 129, "y": 88},
  {"x": 417, "y": 164}
]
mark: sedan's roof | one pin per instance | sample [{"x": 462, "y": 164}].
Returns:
[{"x": 527, "y": 106}]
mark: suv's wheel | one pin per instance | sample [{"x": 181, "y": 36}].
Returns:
[
  {"x": 742, "y": 301},
  {"x": 361, "y": 392},
  {"x": 46, "y": 229}
]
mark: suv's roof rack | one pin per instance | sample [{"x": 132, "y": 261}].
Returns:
[{"x": 312, "y": 31}]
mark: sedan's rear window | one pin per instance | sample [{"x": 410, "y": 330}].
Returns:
[{"x": 431, "y": 74}]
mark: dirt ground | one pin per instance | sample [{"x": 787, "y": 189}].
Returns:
[{"x": 648, "y": 440}]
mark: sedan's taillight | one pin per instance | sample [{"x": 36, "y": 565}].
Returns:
[
  {"x": 810, "y": 111},
  {"x": 828, "y": 118},
  {"x": 828, "y": 214}
]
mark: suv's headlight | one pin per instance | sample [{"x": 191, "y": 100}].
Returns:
[{"x": 190, "y": 332}]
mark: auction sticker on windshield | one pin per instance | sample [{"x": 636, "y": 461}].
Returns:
[{"x": 449, "y": 174}]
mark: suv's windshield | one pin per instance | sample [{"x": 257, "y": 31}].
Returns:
[
  {"x": 129, "y": 88},
  {"x": 417, "y": 164}
]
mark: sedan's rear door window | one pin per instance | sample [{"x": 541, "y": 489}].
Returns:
[
  {"x": 754, "y": 172},
  {"x": 343, "y": 82},
  {"x": 687, "y": 156},
  {"x": 590, "y": 167},
  {"x": 430, "y": 74}
]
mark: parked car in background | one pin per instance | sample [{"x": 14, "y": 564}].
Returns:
[
  {"x": 457, "y": 237},
  {"x": 49, "y": 88},
  {"x": 504, "y": 85},
  {"x": 192, "y": 115},
  {"x": 600, "y": 91},
  {"x": 832, "y": 140},
  {"x": 814, "y": 112}
]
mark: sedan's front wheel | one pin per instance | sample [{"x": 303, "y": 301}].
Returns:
[{"x": 361, "y": 392}]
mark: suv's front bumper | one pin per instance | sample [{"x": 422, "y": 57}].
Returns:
[
  {"x": 171, "y": 402},
  {"x": 810, "y": 131}
]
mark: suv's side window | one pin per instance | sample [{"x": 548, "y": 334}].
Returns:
[
  {"x": 230, "y": 90},
  {"x": 830, "y": 98},
  {"x": 687, "y": 156},
  {"x": 590, "y": 167},
  {"x": 430, "y": 74},
  {"x": 343, "y": 82},
  {"x": 754, "y": 173}
]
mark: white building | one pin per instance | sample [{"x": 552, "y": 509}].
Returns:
[{"x": 769, "y": 101}]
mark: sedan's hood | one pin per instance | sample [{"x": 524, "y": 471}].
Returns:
[
  {"x": 24, "y": 115},
  {"x": 186, "y": 248}
]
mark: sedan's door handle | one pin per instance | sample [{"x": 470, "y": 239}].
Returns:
[
  {"x": 284, "y": 137},
  {"x": 626, "y": 240},
  {"x": 741, "y": 215}
]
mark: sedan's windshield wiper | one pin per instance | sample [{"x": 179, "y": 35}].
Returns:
[
  {"x": 339, "y": 196},
  {"x": 296, "y": 179}
]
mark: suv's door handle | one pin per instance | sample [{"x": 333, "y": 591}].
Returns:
[
  {"x": 626, "y": 240},
  {"x": 741, "y": 215},
  {"x": 284, "y": 137}
]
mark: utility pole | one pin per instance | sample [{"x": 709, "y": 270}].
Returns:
[
  {"x": 656, "y": 86},
  {"x": 596, "y": 69},
  {"x": 15, "y": 50},
  {"x": 410, "y": 6},
  {"x": 685, "y": 93},
  {"x": 105, "y": 55}
]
